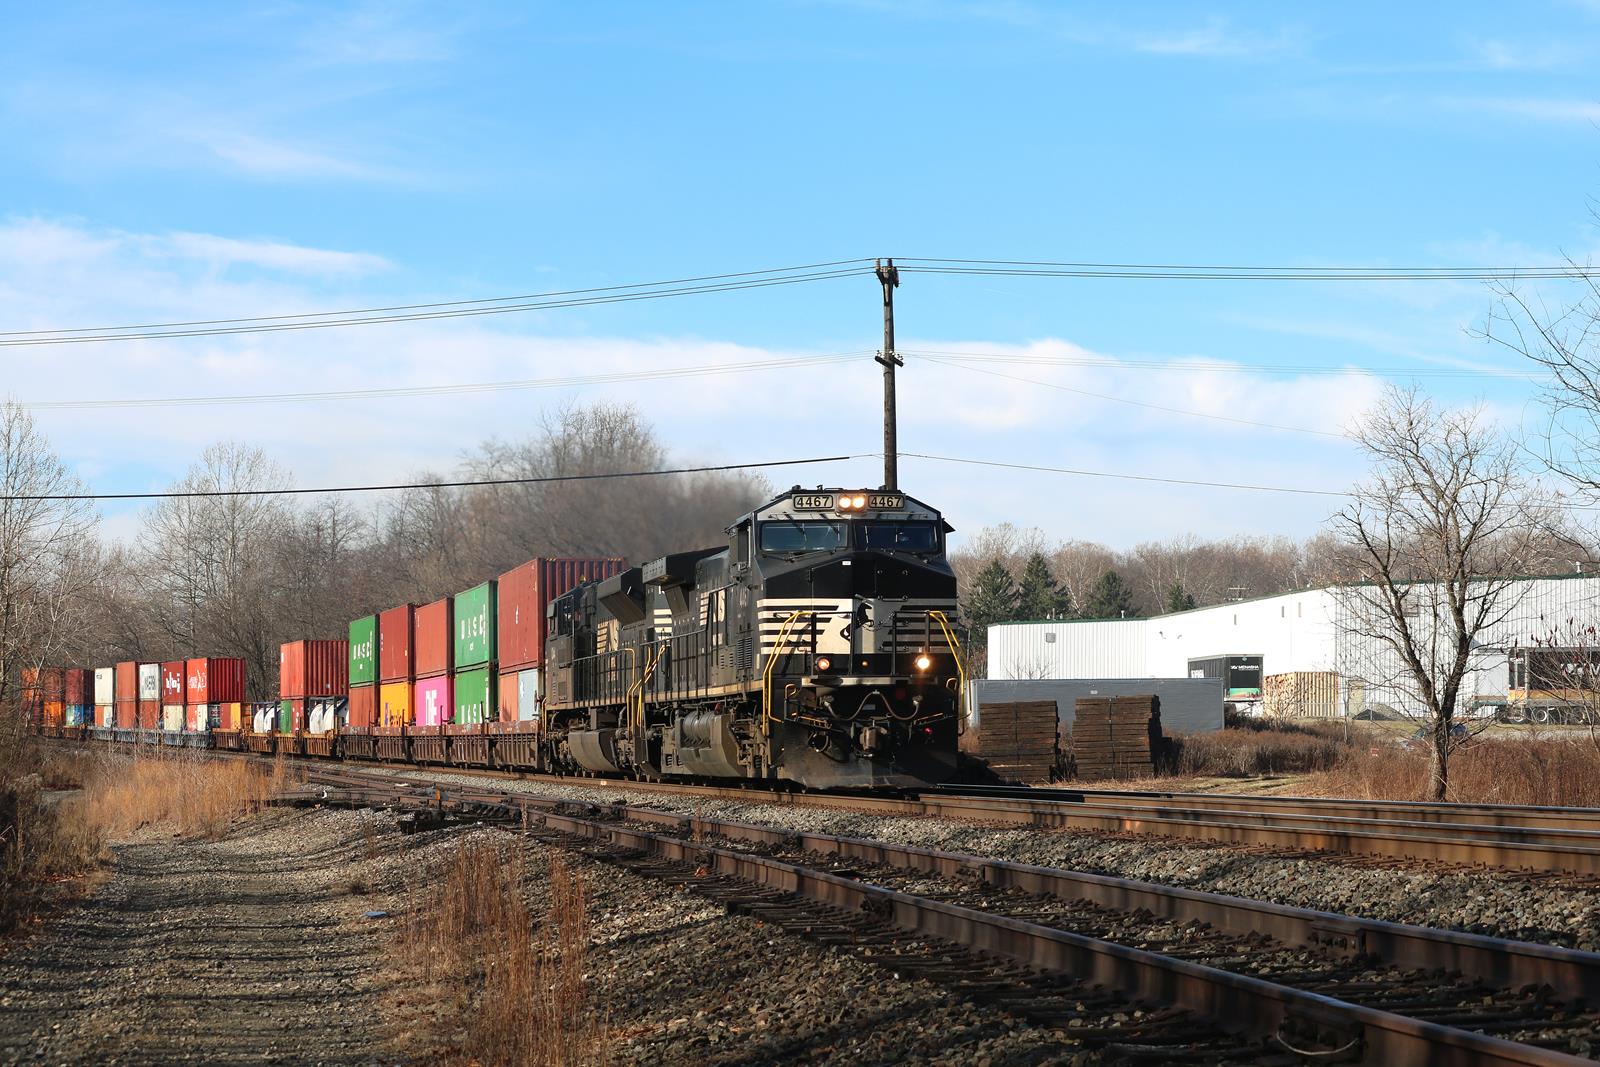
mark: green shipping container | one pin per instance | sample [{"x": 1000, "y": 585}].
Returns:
[
  {"x": 475, "y": 615},
  {"x": 364, "y": 651},
  {"x": 285, "y": 716},
  {"x": 475, "y": 696}
]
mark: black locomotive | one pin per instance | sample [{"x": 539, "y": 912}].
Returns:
[{"x": 817, "y": 645}]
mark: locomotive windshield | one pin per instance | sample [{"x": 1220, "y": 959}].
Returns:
[
  {"x": 808, "y": 536},
  {"x": 900, "y": 537}
]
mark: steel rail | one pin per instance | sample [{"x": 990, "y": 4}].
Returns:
[{"x": 1257, "y": 1006}]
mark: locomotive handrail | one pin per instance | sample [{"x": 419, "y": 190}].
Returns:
[
  {"x": 961, "y": 666},
  {"x": 772, "y": 662}
]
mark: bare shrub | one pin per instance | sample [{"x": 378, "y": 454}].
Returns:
[
  {"x": 1493, "y": 770},
  {"x": 522, "y": 979},
  {"x": 45, "y": 839},
  {"x": 1237, "y": 753}
]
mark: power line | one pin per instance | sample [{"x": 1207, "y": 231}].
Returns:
[
  {"x": 1111, "y": 363},
  {"x": 443, "y": 303},
  {"x": 469, "y": 483},
  {"x": 443, "y": 390},
  {"x": 1224, "y": 272},
  {"x": 264, "y": 325},
  {"x": 1140, "y": 403}
]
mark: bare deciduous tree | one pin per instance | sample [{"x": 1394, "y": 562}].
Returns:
[{"x": 1433, "y": 542}]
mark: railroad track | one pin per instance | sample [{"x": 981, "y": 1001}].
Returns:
[
  {"x": 1143, "y": 971},
  {"x": 1543, "y": 842}
]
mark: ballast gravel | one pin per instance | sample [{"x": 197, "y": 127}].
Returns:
[{"x": 1497, "y": 904}]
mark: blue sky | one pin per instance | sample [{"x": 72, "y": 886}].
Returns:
[{"x": 190, "y": 161}]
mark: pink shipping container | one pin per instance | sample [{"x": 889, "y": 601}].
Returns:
[
  {"x": 311, "y": 669},
  {"x": 214, "y": 680},
  {"x": 431, "y": 699},
  {"x": 431, "y": 638},
  {"x": 396, "y": 644},
  {"x": 524, "y": 593}
]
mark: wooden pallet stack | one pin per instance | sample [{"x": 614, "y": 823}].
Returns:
[
  {"x": 1020, "y": 741},
  {"x": 1116, "y": 737}
]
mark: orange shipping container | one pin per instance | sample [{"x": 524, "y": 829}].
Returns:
[
  {"x": 363, "y": 706},
  {"x": 431, "y": 638},
  {"x": 396, "y": 697},
  {"x": 127, "y": 682},
  {"x": 127, "y": 715},
  {"x": 213, "y": 680},
  {"x": 313, "y": 669},
  {"x": 508, "y": 696},
  {"x": 524, "y": 593},
  {"x": 55, "y": 713},
  {"x": 395, "y": 643},
  {"x": 231, "y": 715},
  {"x": 149, "y": 714}
]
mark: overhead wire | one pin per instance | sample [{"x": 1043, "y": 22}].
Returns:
[
  {"x": 1232, "y": 272},
  {"x": 455, "y": 484},
  {"x": 1116, "y": 363}
]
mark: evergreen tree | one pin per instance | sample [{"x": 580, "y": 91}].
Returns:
[
  {"x": 1179, "y": 599},
  {"x": 1110, "y": 598},
  {"x": 1038, "y": 595},
  {"x": 993, "y": 599}
]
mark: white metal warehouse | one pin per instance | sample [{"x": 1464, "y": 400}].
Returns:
[{"x": 1300, "y": 632}]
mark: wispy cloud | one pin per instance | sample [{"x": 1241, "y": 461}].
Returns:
[
  {"x": 1503, "y": 55},
  {"x": 267, "y": 158},
  {"x": 1217, "y": 38},
  {"x": 273, "y": 255},
  {"x": 1529, "y": 107}
]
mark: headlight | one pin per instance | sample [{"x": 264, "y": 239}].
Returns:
[
  {"x": 924, "y": 662},
  {"x": 858, "y": 502},
  {"x": 823, "y": 663}
]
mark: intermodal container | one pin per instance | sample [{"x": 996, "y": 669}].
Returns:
[
  {"x": 50, "y": 682},
  {"x": 431, "y": 697},
  {"x": 55, "y": 713},
  {"x": 524, "y": 593},
  {"x": 79, "y": 687},
  {"x": 78, "y": 714},
  {"x": 149, "y": 682},
  {"x": 172, "y": 718},
  {"x": 105, "y": 685},
  {"x": 127, "y": 682},
  {"x": 364, "y": 650},
  {"x": 126, "y": 714},
  {"x": 474, "y": 696},
  {"x": 105, "y": 716},
  {"x": 200, "y": 718},
  {"x": 173, "y": 686},
  {"x": 474, "y": 642},
  {"x": 150, "y": 714},
  {"x": 507, "y": 694},
  {"x": 528, "y": 695},
  {"x": 395, "y": 700},
  {"x": 291, "y": 715},
  {"x": 363, "y": 706},
  {"x": 313, "y": 668},
  {"x": 431, "y": 638},
  {"x": 214, "y": 680},
  {"x": 232, "y": 715},
  {"x": 396, "y": 644}
]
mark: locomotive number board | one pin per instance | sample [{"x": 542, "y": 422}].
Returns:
[{"x": 826, "y": 501}]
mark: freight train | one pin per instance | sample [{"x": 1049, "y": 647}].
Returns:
[{"x": 816, "y": 646}]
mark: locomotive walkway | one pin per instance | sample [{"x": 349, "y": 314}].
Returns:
[{"x": 247, "y": 950}]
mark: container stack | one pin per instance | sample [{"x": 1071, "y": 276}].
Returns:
[
  {"x": 79, "y": 692},
  {"x": 523, "y": 594},
  {"x": 44, "y": 696},
  {"x": 432, "y": 695},
  {"x": 211, "y": 683},
  {"x": 311, "y": 675},
  {"x": 396, "y": 665},
  {"x": 1019, "y": 741},
  {"x": 363, "y": 649},
  {"x": 1116, "y": 737},
  {"x": 105, "y": 695},
  {"x": 127, "y": 695},
  {"x": 149, "y": 713},
  {"x": 174, "y": 696},
  {"x": 474, "y": 650}
]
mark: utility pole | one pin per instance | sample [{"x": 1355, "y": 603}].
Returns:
[{"x": 890, "y": 279}]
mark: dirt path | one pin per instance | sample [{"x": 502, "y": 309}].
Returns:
[{"x": 248, "y": 950}]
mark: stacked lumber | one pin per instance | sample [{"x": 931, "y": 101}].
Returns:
[
  {"x": 1019, "y": 741},
  {"x": 1116, "y": 737}
]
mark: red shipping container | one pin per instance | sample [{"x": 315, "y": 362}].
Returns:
[
  {"x": 173, "y": 684},
  {"x": 149, "y": 714},
  {"x": 432, "y": 638},
  {"x": 127, "y": 682},
  {"x": 313, "y": 669},
  {"x": 127, "y": 715},
  {"x": 363, "y": 706},
  {"x": 527, "y": 590},
  {"x": 52, "y": 685},
  {"x": 79, "y": 686},
  {"x": 396, "y": 643},
  {"x": 508, "y": 697},
  {"x": 212, "y": 680}
]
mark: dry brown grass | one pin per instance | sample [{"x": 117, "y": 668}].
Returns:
[
  {"x": 189, "y": 793},
  {"x": 1556, "y": 771},
  {"x": 1237, "y": 752},
  {"x": 524, "y": 1001},
  {"x": 46, "y": 843}
]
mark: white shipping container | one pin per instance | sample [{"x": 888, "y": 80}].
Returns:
[
  {"x": 172, "y": 718},
  {"x": 149, "y": 681},
  {"x": 105, "y": 715},
  {"x": 528, "y": 694},
  {"x": 105, "y": 685}
]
